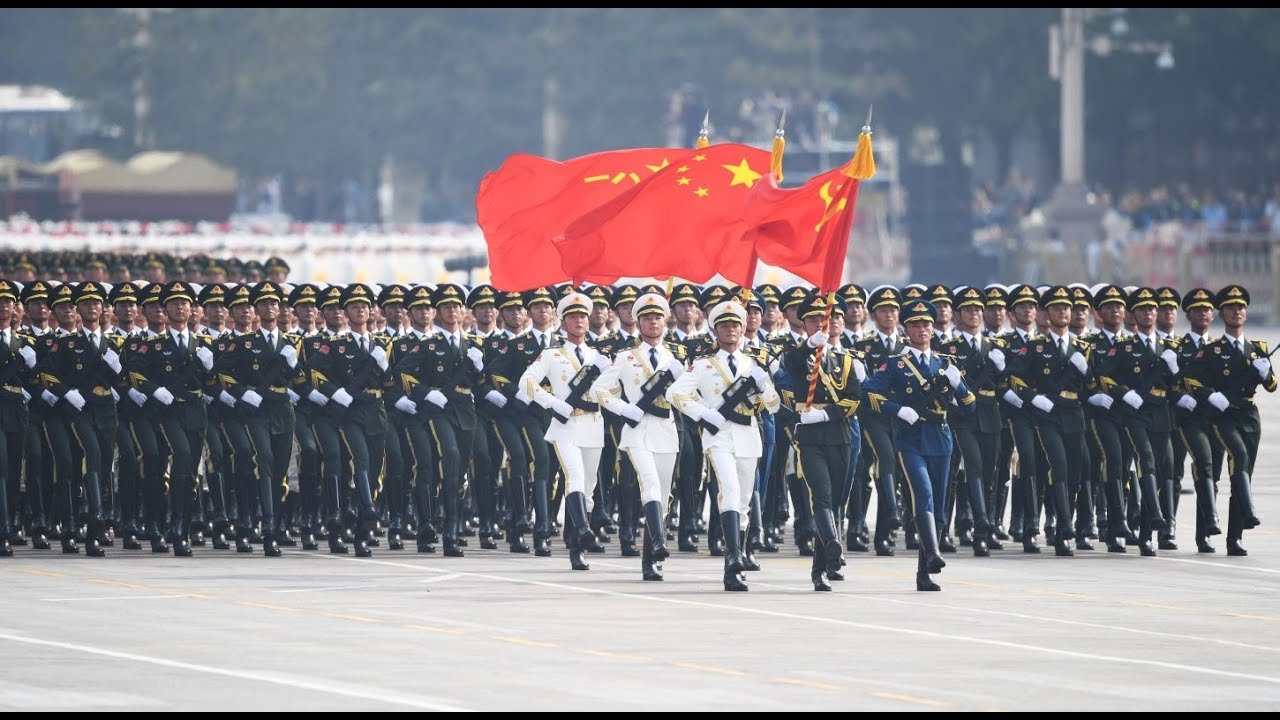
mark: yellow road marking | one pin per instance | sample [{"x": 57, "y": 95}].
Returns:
[
  {"x": 264, "y": 606},
  {"x": 709, "y": 668},
  {"x": 616, "y": 655},
  {"x": 1244, "y": 616},
  {"x": 344, "y": 616},
  {"x": 805, "y": 683},
  {"x": 523, "y": 641},
  {"x": 200, "y": 596},
  {"x": 972, "y": 584},
  {"x": 1063, "y": 593},
  {"x": 1156, "y": 606},
  {"x": 433, "y": 629},
  {"x": 909, "y": 698},
  {"x": 118, "y": 583},
  {"x": 43, "y": 573}
]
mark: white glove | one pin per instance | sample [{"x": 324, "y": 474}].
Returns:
[
  {"x": 1042, "y": 402},
  {"x": 817, "y": 339},
  {"x": 342, "y": 397},
  {"x": 712, "y": 417},
  {"x": 524, "y": 398},
  {"x": 1101, "y": 400},
  {"x": 1082, "y": 365},
  {"x": 759, "y": 376},
  {"x": 287, "y": 352},
  {"x": 860, "y": 369},
  {"x": 631, "y": 412},
  {"x": 907, "y": 415},
  {"x": 675, "y": 367},
  {"x": 317, "y": 397},
  {"x": 437, "y": 398},
  {"x": 496, "y": 398},
  {"x": 49, "y": 398},
  {"x": 293, "y": 396},
  {"x": 404, "y": 404},
  {"x": 953, "y": 375},
  {"x": 252, "y": 397},
  {"x": 1133, "y": 399},
  {"x": 809, "y": 417},
  {"x": 227, "y": 399},
  {"x": 601, "y": 362},
  {"x": 166, "y": 398},
  {"x": 996, "y": 356},
  {"x": 26, "y": 396},
  {"x": 1263, "y": 366},
  {"x": 1012, "y": 398},
  {"x": 379, "y": 356},
  {"x": 1188, "y": 403},
  {"x": 1219, "y": 401},
  {"x": 115, "y": 395},
  {"x": 112, "y": 359},
  {"x": 561, "y": 407},
  {"x": 74, "y": 397},
  {"x": 28, "y": 356},
  {"x": 205, "y": 356}
]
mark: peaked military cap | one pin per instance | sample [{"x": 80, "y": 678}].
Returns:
[
  {"x": 1142, "y": 297},
  {"x": 1233, "y": 295},
  {"x": 1167, "y": 297},
  {"x": 241, "y": 294},
  {"x": 419, "y": 296},
  {"x": 914, "y": 291},
  {"x": 63, "y": 293},
  {"x": 599, "y": 294},
  {"x": 852, "y": 293},
  {"x": 357, "y": 292},
  {"x": 712, "y": 295},
  {"x": 1056, "y": 295},
  {"x": 90, "y": 290},
  {"x": 816, "y": 304},
  {"x": 446, "y": 293},
  {"x": 651, "y": 303},
  {"x": 939, "y": 293},
  {"x": 392, "y": 294},
  {"x": 540, "y": 294},
  {"x": 215, "y": 294},
  {"x": 625, "y": 293},
  {"x": 35, "y": 290},
  {"x": 8, "y": 290},
  {"x": 276, "y": 263},
  {"x": 654, "y": 288},
  {"x": 684, "y": 292},
  {"x": 510, "y": 298},
  {"x": 915, "y": 310},
  {"x": 884, "y": 296},
  {"x": 1021, "y": 293},
  {"x": 727, "y": 311},
  {"x": 995, "y": 295},
  {"x": 178, "y": 290},
  {"x": 1080, "y": 295},
  {"x": 1106, "y": 293},
  {"x": 265, "y": 290},
  {"x": 793, "y": 296},
  {"x": 1198, "y": 297},
  {"x": 769, "y": 293},
  {"x": 574, "y": 302},
  {"x": 331, "y": 295},
  {"x": 966, "y": 296},
  {"x": 482, "y": 294},
  {"x": 303, "y": 294}
]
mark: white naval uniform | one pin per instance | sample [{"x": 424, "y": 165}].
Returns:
[
  {"x": 578, "y": 442},
  {"x": 653, "y": 443},
  {"x": 735, "y": 450}
]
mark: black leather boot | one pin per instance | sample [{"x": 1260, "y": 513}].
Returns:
[
  {"x": 1207, "y": 506},
  {"x": 573, "y": 535},
  {"x": 542, "y": 518},
  {"x": 748, "y": 555},
  {"x": 6, "y": 547},
  {"x": 828, "y": 544},
  {"x": 1151, "y": 503},
  {"x": 649, "y": 569},
  {"x": 817, "y": 570},
  {"x": 1242, "y": 496},
  {"x": 929, "y": 542},
  {"x": 732, "y": 556},
  {"x": 657, "y": 536},
  {"x": 576, "y": 504},
  {"x": 923, "y": 581}
]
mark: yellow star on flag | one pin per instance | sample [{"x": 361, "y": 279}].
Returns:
[
  {"x": 742, "y": 174},
  {"x": 701, "y": 192}
]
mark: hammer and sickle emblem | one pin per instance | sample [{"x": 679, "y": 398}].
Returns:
[{"x": 828, "y": 211}]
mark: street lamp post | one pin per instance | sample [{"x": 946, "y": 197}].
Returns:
[{"x": 1077, "y": 221}]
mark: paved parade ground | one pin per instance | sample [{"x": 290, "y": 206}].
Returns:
[{"x": 494, "y": 631}]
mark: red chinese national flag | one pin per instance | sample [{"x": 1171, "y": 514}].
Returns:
[
  {"x": 685, "y": 220},
  {"x": 806, "y": 230},
  {"x": 522, "y": 205}
]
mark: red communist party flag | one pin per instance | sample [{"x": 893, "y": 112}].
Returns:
[
  {"x": 522, "y": 205},
  {"x": 806, "y": 230},
  {"x": 685, "y": 220}
]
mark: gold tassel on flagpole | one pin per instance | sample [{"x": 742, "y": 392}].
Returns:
[
  {"x": 863, "y": 165},
  {"x": 779, "y": 144},
  {"x": 704, "y": 135}
]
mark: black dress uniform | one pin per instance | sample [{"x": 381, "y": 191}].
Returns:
[
  {"x": 1050, "y": 379},
  {"x": 823, "y": 437},
  {"x": 485, "y": 458},
  {"x": 395, "y": 467},
  {"x": 877, "y": 430},
  {"x": 1143, "y": 378},
  {"x": 1024, "y": 523},
  {"x": 1194, "y": 421},
  {"x": 174, "y": 372},
  {"x": 1236, "y": 367},
  {"x": 80, "y": 373},
  {"x": 36, "y": 454},
  {"x": 349, "y": 369},
  {"x": 17, "y": 359},
  {"x": 310, "y": 486}
]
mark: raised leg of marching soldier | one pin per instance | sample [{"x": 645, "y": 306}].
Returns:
[
  {"x": 333, "y": 492},
  {"x": 1144, "y": 444},
  {"x": 579, "y": 464},
  {"x": 1107, "y": 435},
  {"x": 688, "y": 480},
  {"x": 421, "y": 467},
  {"x": 860, "y": 499},
  {"x": 629, "y": 505},
  {"x": 217, "y": 473},
  {"x": 950, "y": 509},
  {"x": 1166, "y": 489},
  {"x": 844, "y": 500},
  {"x": 182, "y": 425},
  {"x": 737, "y": 477},
  {"x": 1240, "y": 435},
  {"x": 66, "y": 446},
  {"x": 368, "y": 451},
  {"x": 393, "y": 478},
  {"x": 34, "y": 465},
  {"x": 10, "y": 466},
  {"x": 820, "y": 467},
  {"x": 484, "y": 481},
  {"x": 129, "y": 472},
  {"x": 715, "y": 533},
  {"x": 979, "y": 453},
  {"x": 1025, "y": 496},
  {"x": 448, "y": 447},
  {"x": 879, "y": 442},
  {"x": 1081, "y": 493},
  {"x": 1063, "y": 457},
  {"x": 508, "y": 438},
  {"x": 309, "y": 483},
  {"x": 654, "y": 474},
  {"x": 1195, "y": 440}
]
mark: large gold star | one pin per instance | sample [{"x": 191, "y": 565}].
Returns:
[{"x": 742, "y": 174}]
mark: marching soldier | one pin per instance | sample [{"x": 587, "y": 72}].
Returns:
[
  {"x": 633, "y": 387},
  {"x": 881, "y": 345},
  {"x": 391, "y": 299},
  {"x": 1237, "y": 367},
  {"x": 1109, "y": 303},
  {"x": 981, "y": 361},
  {"x": 410, "y": 426},
  {"x": 304, "y": 299},
  {"x": 17, "y": 359},
  {"x": 1024, "y": 522},
  {"x": 717, "y": 393},
  {"x": 484, "y": 461},
  {"x": 1194, "y": 419},
  {"x": 827, "y": 390},
  {"x": 627, "y": 489},
  {"x": 915, "y": 390},
  {"x": 684, "y": 308}
]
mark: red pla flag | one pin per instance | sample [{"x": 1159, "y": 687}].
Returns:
[
  {"x": 522, "y": 205},
  {"x": 806, "y": 230},
  {"x": 684, "y": 220}
]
